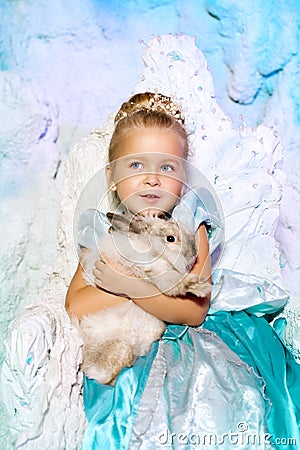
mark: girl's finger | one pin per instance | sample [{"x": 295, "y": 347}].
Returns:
[
  {"x": 97, "y": 273},
  {"x": 99, "y": 263},
  {"x": 98, "y": 282}
]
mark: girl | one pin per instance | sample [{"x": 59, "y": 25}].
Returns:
[{"x": 191, "y": 388}]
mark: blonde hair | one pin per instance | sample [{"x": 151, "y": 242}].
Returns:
[{"x": 146, "y": 110}]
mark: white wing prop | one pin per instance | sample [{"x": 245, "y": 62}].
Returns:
[
  {"x": 241, "y": 164},
  {"x": 40, "y": 377}
]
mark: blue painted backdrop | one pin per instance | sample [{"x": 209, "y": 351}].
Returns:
[{"x": 65, "y": 65}]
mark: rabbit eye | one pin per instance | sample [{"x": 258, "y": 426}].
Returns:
[{"x": 170, "y": 238}]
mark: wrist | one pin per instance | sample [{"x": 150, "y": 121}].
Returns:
[{"x": 140, "y": 289}]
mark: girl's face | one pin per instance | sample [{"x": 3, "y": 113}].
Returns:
[{"x": 149, "y": 171}]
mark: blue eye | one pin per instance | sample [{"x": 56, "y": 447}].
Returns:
[
  {"x": 135, "y": 165},
  {"x": 166, "y": 167}
]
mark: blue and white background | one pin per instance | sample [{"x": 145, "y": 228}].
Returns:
[{"x": 66, "y": 65}]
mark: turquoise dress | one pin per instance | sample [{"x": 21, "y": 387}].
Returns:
[{"x": 230, "y": 383}]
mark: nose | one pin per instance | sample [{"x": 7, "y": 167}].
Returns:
[{"x": 152, "y": 179}]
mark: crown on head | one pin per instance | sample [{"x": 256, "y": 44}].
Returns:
[{"x": 157, "y": 102}]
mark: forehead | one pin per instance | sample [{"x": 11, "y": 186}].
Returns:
[{"x": 151, "y": 141}]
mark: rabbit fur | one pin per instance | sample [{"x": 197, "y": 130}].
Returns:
[{"x": 158, "y": 250}]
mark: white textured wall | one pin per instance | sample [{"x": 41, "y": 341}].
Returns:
[{"x": 65, "y": 65}]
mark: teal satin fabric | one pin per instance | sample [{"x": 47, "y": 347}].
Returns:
[
  {"x": 258, "y": 345},
  {"x": 111, "y": 410}
]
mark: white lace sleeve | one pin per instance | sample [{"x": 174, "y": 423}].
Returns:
[{"x": 40, "y": 379}]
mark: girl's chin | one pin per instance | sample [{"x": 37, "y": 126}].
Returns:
[{"x": 152, "y": 211}]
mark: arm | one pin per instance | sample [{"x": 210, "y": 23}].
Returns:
[
  {"x": 82, "y": 299},
  {"x": 188, "y": 310}
]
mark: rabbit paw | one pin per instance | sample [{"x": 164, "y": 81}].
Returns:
[{"x": 192, "y": 284}]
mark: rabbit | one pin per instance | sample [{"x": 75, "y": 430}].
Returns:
[{"x": 158, "y": 250}]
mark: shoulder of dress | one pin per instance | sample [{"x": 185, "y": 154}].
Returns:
[
  {"x": 198, "y": 205},
  {"x": 92, "y": 217},
  {"x": 92, "y": 225}
]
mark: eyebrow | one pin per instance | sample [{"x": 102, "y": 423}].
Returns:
[{"x": 144, "y": 159}]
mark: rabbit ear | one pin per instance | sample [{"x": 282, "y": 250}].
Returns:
[
  {"x": 138, "y": 224},
  {"x": 118, "y": 222},
  {"x": 127, "y": 223}
]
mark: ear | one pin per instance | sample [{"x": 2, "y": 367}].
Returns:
[{"x": 109, "y": 178}]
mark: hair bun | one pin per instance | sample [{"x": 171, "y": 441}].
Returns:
[{"x": 150, "y": 101}]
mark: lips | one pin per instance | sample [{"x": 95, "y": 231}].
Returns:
[
  {"x": 150, "y": 193},
  {"x": 150, "y": 196}
]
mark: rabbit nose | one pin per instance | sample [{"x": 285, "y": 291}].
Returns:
[{"x": 152, "y": 179}]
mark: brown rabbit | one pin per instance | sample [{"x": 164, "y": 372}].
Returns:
[{"x": 158, "y": 250}]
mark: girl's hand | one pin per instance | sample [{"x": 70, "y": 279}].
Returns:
[{"x": 113, "y": 278}]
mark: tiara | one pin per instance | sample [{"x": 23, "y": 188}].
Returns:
[{"x": 157, "y": 102}]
